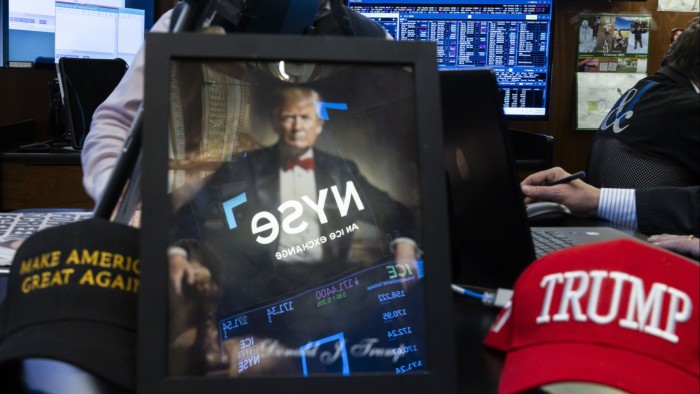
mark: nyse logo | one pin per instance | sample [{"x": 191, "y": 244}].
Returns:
[{"x": 291, "y": 211}]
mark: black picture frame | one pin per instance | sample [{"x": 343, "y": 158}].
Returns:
[{"x": 161, "y": 51}]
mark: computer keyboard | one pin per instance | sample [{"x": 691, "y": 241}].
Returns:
[{"x": 546, "y": 242}]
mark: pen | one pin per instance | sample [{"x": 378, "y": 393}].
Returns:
[{"x": 567, "y": 179}]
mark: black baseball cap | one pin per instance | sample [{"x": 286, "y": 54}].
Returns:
[{"x": 72, "y": 296}]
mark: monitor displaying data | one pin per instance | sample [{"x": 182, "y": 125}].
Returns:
[
  {"x": 43, "y": 31},
  {"x": 512, "y": 37}
]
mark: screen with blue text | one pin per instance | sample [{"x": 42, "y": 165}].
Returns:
[{"x": 512, "y": 37}]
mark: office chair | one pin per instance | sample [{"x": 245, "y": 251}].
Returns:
[
  {"x": 532, "y": 151},
  {"x": 613, "y": 163}
]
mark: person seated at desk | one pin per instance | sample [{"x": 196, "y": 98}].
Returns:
[
  {"x": 650, "y": 211},
  {"x": 650, "y": 137},
  {"x": 643, "y": 170}
]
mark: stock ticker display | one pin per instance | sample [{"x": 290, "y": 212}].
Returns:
[
  {"x": 512, "y": 37},
  {"x": 368, "y": 321}
]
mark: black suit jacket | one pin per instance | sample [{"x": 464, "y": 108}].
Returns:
[
  {"x": 257, "y": 175},
  {"x": 673, "y": 210}
]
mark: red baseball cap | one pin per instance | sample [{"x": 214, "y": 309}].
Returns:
[{"x": 621, "y": 313}]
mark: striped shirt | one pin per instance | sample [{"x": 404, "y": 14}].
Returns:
[{"x": 618, "y": 206}]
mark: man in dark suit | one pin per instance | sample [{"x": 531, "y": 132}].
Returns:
[
  {"x": 643, "y": 169},
  {"x": 284, "y": 216}
]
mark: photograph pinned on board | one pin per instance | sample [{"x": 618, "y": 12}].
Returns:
[
  {"x": 612, "y": 65},
  {"x": 614, "y": 34}
]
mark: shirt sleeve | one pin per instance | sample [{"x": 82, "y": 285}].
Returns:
[
  {"x": 112, "y": 120},
  {"x": 618, "y": 206}
]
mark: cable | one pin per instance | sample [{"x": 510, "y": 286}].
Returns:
[
  {"x": 490, "y": 297},
  {"x": 466, "y": 292}
]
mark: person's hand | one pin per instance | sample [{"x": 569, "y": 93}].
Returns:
[
  {"x": 580, "y": 197},
  {"x": 405, "y": 251},
  {"x": 213, "y": 29},
  {"x": 202, "y": 281},
  {"x": 180, "y": 268},
  {"x": 685, "y": 244},
  {"x": 135, "y": 220}
]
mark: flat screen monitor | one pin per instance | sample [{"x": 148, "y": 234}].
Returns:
[
  {"x": 84, "y": 85},
  {"x": 3, "y": 32},
  {"x": 42, "y": 31},
  {"x": 286, "y": 295},
  {"x": 512, "y": 37}
]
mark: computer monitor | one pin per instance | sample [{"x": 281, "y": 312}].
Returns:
[
  {"x": 512, "y": 37},
  {"x": 84, "y": 84},
  {"x": 3, "y": 32},
  {"x": 42, "y": 31}
]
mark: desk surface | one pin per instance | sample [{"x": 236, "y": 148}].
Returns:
[
  {"x": 55, "y": 155},
  {"x": 478, "y": 367}
]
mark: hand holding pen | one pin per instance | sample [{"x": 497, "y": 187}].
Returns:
[
  {"x": 567, "y": 179},
  {"x": 559, "y": 186}
]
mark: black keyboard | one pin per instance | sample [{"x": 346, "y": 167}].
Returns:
[{"x": 547, "y": 242}]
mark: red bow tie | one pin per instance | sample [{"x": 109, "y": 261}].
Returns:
[{"x": 307, "y": 164}]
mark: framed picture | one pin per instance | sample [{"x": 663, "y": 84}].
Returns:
[{"x": 294, "y": 217}]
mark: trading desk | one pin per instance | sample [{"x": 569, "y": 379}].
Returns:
[
  {"x": 478, "y": 367},
  {"x": 50, "y": 178}
]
